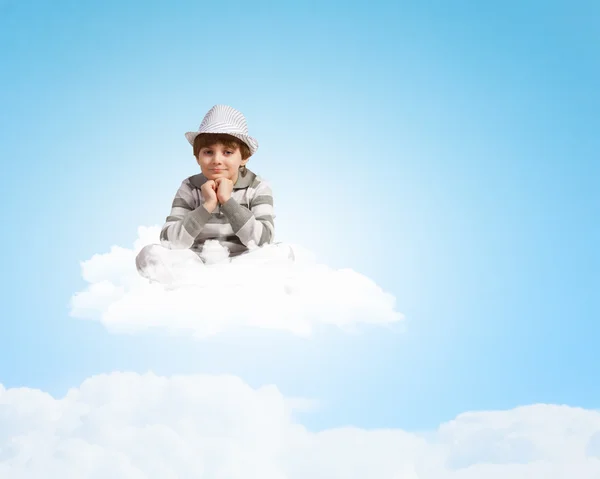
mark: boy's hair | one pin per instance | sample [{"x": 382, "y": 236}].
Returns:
[{"x": 209, "y": 139}]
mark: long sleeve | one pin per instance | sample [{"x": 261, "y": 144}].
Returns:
[
  {"x": 186, "y": 220},
  {"x": 255, "y": 225}
]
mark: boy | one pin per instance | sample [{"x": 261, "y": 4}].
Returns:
[{"x": 226, "y": 202}]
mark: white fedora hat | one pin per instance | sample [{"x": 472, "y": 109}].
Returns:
[{"x": 228, "y": 120}]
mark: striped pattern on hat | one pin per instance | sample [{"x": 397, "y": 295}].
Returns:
[{"x": 228, "y": 120}]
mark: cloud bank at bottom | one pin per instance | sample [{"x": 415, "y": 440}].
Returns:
[
  {"x": 127, "y": 425},
  {"x": 267, "y": 293}
]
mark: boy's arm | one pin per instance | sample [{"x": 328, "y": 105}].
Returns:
[
  {"x": 185, "y": 221},
  {"x": 257, "y": 223}
]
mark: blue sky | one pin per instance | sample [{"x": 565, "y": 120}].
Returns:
[{"x": 450, "y": 153}]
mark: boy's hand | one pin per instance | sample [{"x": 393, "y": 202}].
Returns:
[
  {"x": 209, "y": 194},
  {"x": 224, "y": 189}
]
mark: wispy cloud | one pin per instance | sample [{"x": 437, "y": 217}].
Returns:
[
  {"x": 265, "y": 294},
  {"x": 127, "y": 425}
]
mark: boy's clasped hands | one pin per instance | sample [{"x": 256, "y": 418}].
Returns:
[{"x": 216, "y": 192}]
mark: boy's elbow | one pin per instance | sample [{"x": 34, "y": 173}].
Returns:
[
  {"x": 167, "y": 244},
  {"x": 175, "y": 244},
  {"x": 266, "y": 236},
  {"x": 172, "y": 242}
]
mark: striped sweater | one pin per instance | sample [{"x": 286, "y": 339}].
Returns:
[{"x": 245, "y": 221}]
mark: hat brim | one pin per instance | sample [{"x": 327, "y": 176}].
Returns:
[{"x": 248, "y": 140}]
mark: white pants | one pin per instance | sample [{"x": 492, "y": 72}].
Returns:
[{"x": 163, "y": 265}]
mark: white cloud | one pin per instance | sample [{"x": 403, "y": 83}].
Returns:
[
  {"x": 268, "y": 294},
  {"x": 126, "y": 425}
]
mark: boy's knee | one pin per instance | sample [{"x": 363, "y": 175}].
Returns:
[{"x": 147, "y": 256}]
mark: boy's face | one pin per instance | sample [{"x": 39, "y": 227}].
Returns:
[{"x": 220, "y": 161}]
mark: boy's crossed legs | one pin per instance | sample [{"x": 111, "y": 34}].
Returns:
[
  {"x": 168, "y": 266},
  {"x": 163, "y": 265}
]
